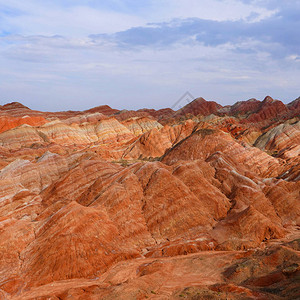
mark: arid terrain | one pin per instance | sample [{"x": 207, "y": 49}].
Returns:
[{"x": 198, "y": 203}]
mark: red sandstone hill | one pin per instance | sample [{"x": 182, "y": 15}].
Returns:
[
  {"x": 201, "y": 203},
  {"x": 199, "y": 106},
  {"x": 104, "y": 109},
  {"x": 268, "y": 109},
  {"x": 245, "y": 107},
  {"x": 294, "y": 107}
]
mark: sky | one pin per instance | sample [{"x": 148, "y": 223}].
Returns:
[{"x": 77, "y": 54}]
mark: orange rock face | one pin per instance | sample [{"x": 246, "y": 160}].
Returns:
[
  {"x": 7, "y": 122},
  {"x": 201, "y": 203}
]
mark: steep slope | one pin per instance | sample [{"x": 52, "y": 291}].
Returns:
[
  {"x": 86, "y": 240},
  {"x": 205, "y": 142},
  {"x": 268, "y": 110},
  {"x": 199, "y": 106},
  {"x": 107, "y": 204}
]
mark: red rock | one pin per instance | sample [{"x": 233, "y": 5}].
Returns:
[
  {"x": 204, "y": 143},
  {"x": 13, "y": 105},
  {"x": 245, "y": 229},
  {"x": 80, "y": 234},
  {"x": 196, "y": 275},
  {"x": 103, "y": 131},
  {"x": 284, "y": 197},
  {"x": 15, "y": 236},
  {"x": 129, "y": 114},
  {"x": 7, "y": 123},
  {"x": 245, "y": 107},
  {"x": 268, "y": 109},
  {"x": 199, "y": 177},
  {"x": 108, "y": 204},
  {"x": 199, "y": 106},
  {"x": 169, "y": 208},
  {"x": 162, "y": 115},
  {"x": 294, "y": 108},
  {"x": 281, "y": 138},
  {"x": 104, "y": 109},
  {"x": 141, "y": 125},
  {"x": 156, "y": 141}
]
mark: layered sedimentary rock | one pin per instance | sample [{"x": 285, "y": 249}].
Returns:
[
  {"x": 205, "y": 143},
  {"x": 7, "y": 122},
  {"x": 199, "y": 106},
  {"x": 282, "y": 138},
  {"x": 267, "y": 110},
  {"x": 245, "y": 107},
  {"x": 156, "y": 141},
  {"x": 141, "y": 125},
  {"x": 107, "y": 130},
  {"x": 204, "y": 275},
  {"x": 107, "y": 204}
]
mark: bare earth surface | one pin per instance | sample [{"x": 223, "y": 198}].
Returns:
[{"x": 199, "y": 203}]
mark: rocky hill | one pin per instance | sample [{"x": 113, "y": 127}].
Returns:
[{"x": 199, "y": 203}]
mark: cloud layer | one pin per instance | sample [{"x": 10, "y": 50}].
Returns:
[{"x": 130, "y": 56}]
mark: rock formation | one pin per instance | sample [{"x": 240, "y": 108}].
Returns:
[{"x": 199, "y": 203}]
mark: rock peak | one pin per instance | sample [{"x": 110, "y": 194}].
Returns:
[
  {"x": 268, "y": 99},
  {"x": 14, "y": 105}
]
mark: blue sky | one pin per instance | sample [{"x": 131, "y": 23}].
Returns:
[{"x": 60, "y": 55}]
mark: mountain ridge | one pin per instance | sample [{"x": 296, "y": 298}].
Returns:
[{"x": 158, "y": 204}]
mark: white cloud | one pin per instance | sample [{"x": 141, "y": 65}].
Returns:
[
  {"x": 49, "y": 62},
  {"x": 33, "y": 17},
  {"x": 218, "y": 10},
  {"x": 66, "y": 71},
  {"x": 38, "y": 17}
]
